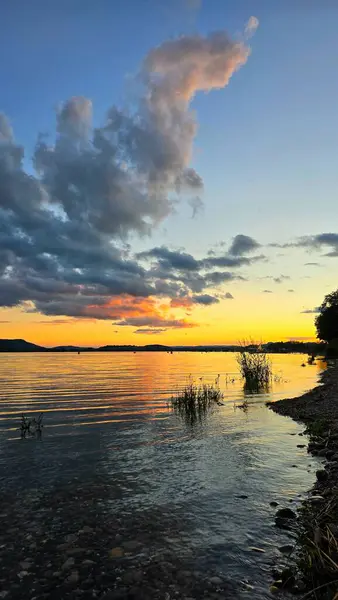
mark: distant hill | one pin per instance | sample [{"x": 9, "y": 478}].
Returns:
[
  {"x": 19, "y": 346},
  {"x": 70, "y": 349},
  {"x": 126, "y": 348},
  {"x": 270, "y": 347}
]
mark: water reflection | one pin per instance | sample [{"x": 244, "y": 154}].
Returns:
[{"x": 196, "y": 489}]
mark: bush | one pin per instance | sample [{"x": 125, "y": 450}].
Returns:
[{"x": 255, "y": 369}]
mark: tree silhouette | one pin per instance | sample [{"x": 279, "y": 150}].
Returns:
[{"x": 327, "y": 320}]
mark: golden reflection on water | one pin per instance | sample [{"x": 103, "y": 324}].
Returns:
[{"x": 112, "y": 386}]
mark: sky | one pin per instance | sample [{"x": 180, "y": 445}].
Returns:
[{"x": 168, "y": 170}]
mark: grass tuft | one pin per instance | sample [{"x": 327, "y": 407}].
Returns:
[{"x": 194, "y": 401}]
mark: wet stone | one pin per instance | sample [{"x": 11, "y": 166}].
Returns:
[
  {"x": 116, "y": 552},
  {"x": 286, "y": 549},
  {"x": 216, "y": 580},
  {"x": 321, "y": 475},
  {"x": 132, "y": 546},
  {"x": 70, "y": 538},
  {"x": 286, "y": 513},
  {"x": 68, "y": 564},
  {"x": 73, "y": 578}
]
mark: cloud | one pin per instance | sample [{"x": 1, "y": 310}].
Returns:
[
  {"x": 64, "y": 226},
  {"x": 311, "y": 264},
  {"x": 290, "y": 291},
  {"x": 243, "y": 244},
  {"x": 228, "y": 296},
  {"x": 205, "y": 299},
  {"x": 314, "y": 242},
  {"x": 251, "y": 26},
  {"x": 172, "y": 259},
  {"x": 149, "y": 331},
  {"x": 311, "y": 311},
  {"x": 281, "y": 278},
  {"x": 155, "y": 322},
  {"x": 267, "y": 292},
  {"x": 197, "y": 206}
]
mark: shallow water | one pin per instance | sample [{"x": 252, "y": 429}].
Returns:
[{"x": 107, "y": 414}]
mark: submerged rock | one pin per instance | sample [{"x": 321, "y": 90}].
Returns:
[
  {"x": 321, "y": 475},
  {"x": 287, "y": 549},
  {"x": 286, "y": 513}
]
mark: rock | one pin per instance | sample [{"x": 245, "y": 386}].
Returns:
[
  {"x": 287, "y": 549},
  {"x": 76, "y": 551},
  {"x": 286, "y": 513},
  {"x": 70, "y": 562},
  {"x": 321, "y": 475},
  {"x": 132, "y": 576},
  {"x": 273, "y": 503},
  {"x": 25, "y": 565},
  {"x": 73, "y": 578},
  {"x": 87, "y": 529},
  {"x": 322, "y": 452},
  {"x": 301, "y": 445},
  {"x": 62, "y": 547},
  {"x": 116, "y": 552},
  {"x": 132, "y": 546},
  {"x": 70, "y": 538},
  {"x": 216, "y": 580},
  {"x": 88, "y": 583}
]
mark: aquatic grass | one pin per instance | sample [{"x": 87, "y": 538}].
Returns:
[
  {"x": 319, "y": 546},
  {"x": 31, "y": 427},
  {"x": 194, "y": 401},
  {"x": 255, "y": 369}
]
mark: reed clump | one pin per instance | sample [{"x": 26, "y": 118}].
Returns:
[
  {"x": 195, "y": 400},
  {"x": 255, "y": 369}
]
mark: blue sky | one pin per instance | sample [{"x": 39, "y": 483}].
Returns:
[{"x": 266, "y": 146}]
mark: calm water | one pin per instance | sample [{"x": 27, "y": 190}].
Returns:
[{"x": 108, "y": 413}]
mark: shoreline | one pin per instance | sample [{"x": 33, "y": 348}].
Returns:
[{"x": 317, "y": 521}]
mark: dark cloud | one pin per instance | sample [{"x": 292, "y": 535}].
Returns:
[
  {"x": 243, "y": 244},
  {"x": 290, "y": 291},
  {"x": 314, "y": 242},
  {"x": 64, "y": 225},
  {"x": 228, "y": 296},
  {"x": 205, "y": 299},
  {"x": 172, "y": 259},
  {"x": 267, "y": 292},
  {"x": 311, "y": 264}
]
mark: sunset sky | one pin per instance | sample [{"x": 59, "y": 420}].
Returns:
[{"x": 168, "y": 169}]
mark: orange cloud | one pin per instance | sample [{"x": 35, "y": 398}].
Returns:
[{"x": 133, "y": 311}]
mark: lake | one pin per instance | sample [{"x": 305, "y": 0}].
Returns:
[{"x": 192, "y": 502}]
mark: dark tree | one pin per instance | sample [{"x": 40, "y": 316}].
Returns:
[{"x": 327, "y": 320}]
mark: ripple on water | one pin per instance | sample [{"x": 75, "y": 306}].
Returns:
[{"x": 202, "y": 493}]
